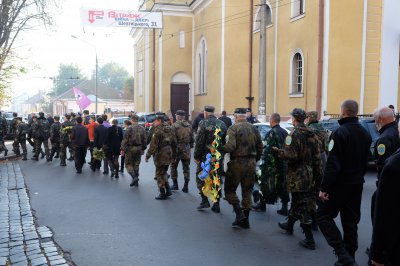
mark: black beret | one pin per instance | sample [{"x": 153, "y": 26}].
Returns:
[
  {"x": 86, "y": 112},
  {"x": 299, "y": 114},
  {"x": 160, "y": 115},
  {"x": 41, "y": 114},
  {"x": 57, "y": 117},
  {"x": 240, "y": 111},
  {"x": 180, "y": 113},
  {"x": 209, "y": 108}
]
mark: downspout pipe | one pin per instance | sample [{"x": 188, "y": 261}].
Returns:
[{"x": 320, "y": 56}]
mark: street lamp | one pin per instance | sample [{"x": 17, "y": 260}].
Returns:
[{"x": 97, "y": 65}]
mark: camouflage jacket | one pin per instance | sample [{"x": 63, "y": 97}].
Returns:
[
  {"x": 162, "y": 145},
  {"x": 22, "y": 130},
  {"x": 55, "y": 132},
  {"x": 134, "y": 139},
  {"x": 3, "y": 126},
  {"x": 14, "y": 125},
  {"x": 243, "y": 140},
  {"x": 304, "y": 160},
  {"x": 321, "y": 134},
  {"x": 184, "y": 137},
  {"x": 205, "y": 136}
]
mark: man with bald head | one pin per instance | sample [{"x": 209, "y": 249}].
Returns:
[{"x": 342, "y": 184}]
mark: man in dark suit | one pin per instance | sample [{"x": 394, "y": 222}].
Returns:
[
  {"x": 225, "y": 119},
  {"x": 80, "y": 141},
  {"x": 100, "y": 138}
]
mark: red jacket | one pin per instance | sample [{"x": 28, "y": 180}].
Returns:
[{"x": 91, "y": 128}]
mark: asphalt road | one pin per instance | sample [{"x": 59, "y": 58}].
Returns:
[{"x": 102, "y": 221}]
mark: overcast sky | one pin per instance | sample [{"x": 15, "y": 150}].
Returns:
[{"x": 43, "y": 50}]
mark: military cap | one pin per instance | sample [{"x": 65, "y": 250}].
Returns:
[
  {"x": 135, "y": 117},
  {"x": 56, "y": 117},
  {"x": 248, "y": 110},
  {"x": 73, "y": 114},
  {"x": 160, "y": 115},
  {"x": 180, "y": 113},
  {"x": 68, "y": 116},
  {"x": 299, "y": 114},
  {"x": 86, "y": 112},
  {"x": 241, "y": 111},
  {"x": 209, "y": 108},
  {"x": 41, "y": 114},
  {"x": 312, "y": 115}
]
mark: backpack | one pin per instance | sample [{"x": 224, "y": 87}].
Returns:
[{"x": 43, "y": 129}]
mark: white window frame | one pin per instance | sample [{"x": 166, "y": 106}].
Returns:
[
  {"x": 140, "y": 73},
  {"x": 294, "y": 68},
  {"x": 257, "y": 19},
  {"x": 181, "y": 39},
  {"x": 201, "y": 67},
  {"x": 296, "y": 13}
]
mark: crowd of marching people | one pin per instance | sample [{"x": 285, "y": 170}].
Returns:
[{"x": 320, "y": 175}]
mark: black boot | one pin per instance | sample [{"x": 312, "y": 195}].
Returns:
[
  {"x": 204, "y": 203},
  {"x": 246, "y": 223},
  {"x": 34, "y": 158},
  {"x": 344, "y": 258},
  {"x": 309, "y": 241},
  {"x": 57, "y": 155},
  {"x": 186, "y": 186},
  {"x": 261, "y": 206},
  {"x": 5, "y": 153},
  {"x": 215, "y": 208},
  {"x": 43, "y": 154},
  {"x": 116, "y": 173},
  {"x": 168, "y": 189},
  {"x": 175, "y": 184},
  {"x": 24, "y": 158},
  {"x": 284, "y": 210},
  {"x": 70, "y": 158},
  {"x": 240, "y": 217},
  {"x": 135, "y": 180},
  {"x": 162, "y": 195},
  {"x": 288, "y": 225},
  {"x": 52, "y": 155},
  {"x": 62, "y": 163}
]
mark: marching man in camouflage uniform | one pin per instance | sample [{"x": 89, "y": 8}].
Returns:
[
  {"x": 41, "y": 133},
  {"x": 243, "y": 142},
  {"x": 65, "y": 140},
  {"x": 13, "y": 126},
  {"x": 20, "y": 136},
  {"x": 133, "y": 146},
  {"x": 163, "y": 150},
  {"x": 184, "y": 137},
  {"x": 55, "y": 137},
  {"x": 3, "y": 132},
  {"x": 204, "y": 139},
  {"x": 304, "y": 169}
]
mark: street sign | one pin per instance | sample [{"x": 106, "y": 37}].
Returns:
[{"x": 117, "y": 18}]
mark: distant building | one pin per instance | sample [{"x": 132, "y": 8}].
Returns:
[
  {"x": 319, "y": 52},
  {"x": 109, "y": 100},
  {"x": 17, "y": 103},
  {"x": 34, "y": 103}
]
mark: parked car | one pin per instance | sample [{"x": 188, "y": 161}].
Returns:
[
  {"x": 120, "y": 120},
  {"x": 264, "y": 128},
  {"x": 9, "y": 117},
  {"x": 146, "y": 119}
]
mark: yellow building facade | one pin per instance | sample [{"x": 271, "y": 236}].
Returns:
[{"x": 319, "y": 53}]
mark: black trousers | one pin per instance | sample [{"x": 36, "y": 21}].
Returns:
[
  {"x": 79, "y": 157},
  {"x": 345, "y": 200}
]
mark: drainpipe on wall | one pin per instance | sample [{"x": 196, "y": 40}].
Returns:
[
  {"x": 320, "y": 57},
  {"x": 154, "y": 71},
  {"x": 250, "y": 98}
]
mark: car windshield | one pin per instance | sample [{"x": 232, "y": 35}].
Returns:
[
  {"x": 8, "y": 115},
  {"x": 264, "y": 129}
]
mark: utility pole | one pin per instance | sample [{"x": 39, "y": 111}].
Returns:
[{"x": 263, "y": 62}]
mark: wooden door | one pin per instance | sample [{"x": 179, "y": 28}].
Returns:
[{"x": 180, "y": 98}]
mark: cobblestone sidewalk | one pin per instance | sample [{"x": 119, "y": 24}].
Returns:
[{"x": 22, "y": 241}]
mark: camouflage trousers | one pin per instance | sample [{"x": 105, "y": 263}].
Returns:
[
  {"x": 15, "y": 146},
  {"x": 38, "y": 147},
  {"x": 185, "y": 166},
  {"x": 303, "y": 207},
  {"x": 241, "y": 171},
  {"x": 2, "y": 145},
  {"x": 22, "y": 142},
  {"x": 161, "y": 175},
  {"x": 55, "y": 147},
  {"x": 63, "y": 150},
  {"x": 132, "y": 161}
]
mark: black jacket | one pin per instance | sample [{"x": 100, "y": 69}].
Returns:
[
  {"x": 282, "y": 134},
  {"x": 80, "y": 136},
  {"x": 226, "y": 120},
  {"x": 387, "y": 143},
  {"x": 385, "y": 247},
  {"x": 100, "y": 136},
  {"x": 114, "y": 139},
  {"x": 348, "y": 156},
  {"x": 197, "y": 121}
]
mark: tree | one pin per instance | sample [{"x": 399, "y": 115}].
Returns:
[
  {"x": 68, "y": 76},
  {"x": 129, "y": 88},
  {"x": 113, "y": 75}
]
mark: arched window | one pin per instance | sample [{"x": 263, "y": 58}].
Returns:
[
  {"x": 297, "y": 73},
  {"x": 298, "y": 8},
  {"x": 201, "y": 67},
  {"x": 257, "y": 19}
]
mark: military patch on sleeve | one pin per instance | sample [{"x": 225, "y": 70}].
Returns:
[
  {"x": 227, "y": 139},
  {"x": 288, "y": 140},
  {"x": 331, "y": 145},
  {"x": 381, "y": 149}
]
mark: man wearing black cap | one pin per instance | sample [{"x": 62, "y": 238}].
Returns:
[
  {"x": 22, "y": 130},
  {"x": 3, "y": 132},
  {"x": 13, "y": 131},
  {"x": 243, "y": 143},
  {"x": 55, "y": 131},
  {"x": 185, "y": 139},
  {"x": 163, "y": 150},
  {"x": 41, "y": 134},
  {"x": 302, "y": 153},
  {"x": 342, "y": 184},
  {"x": 205, "y": 137},
  {"x": 80, "y": 141},
  {"x": 249, "y": 116},
  {"x": 66, "y": 129}
]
